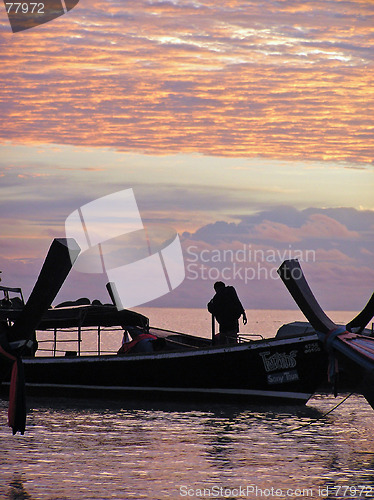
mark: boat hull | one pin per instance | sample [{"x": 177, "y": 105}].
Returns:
[{"x": 284, "y": 370}]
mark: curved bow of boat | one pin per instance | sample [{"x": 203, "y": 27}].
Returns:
[{"x": 356, "y": 349}]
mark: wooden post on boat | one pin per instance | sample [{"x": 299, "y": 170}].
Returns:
[
  {"x": 98, "y": 340},
  {"x": 79, "y": 339},
  {"x": 213, "y": 329},
  {"x": 54, "y": 341}
]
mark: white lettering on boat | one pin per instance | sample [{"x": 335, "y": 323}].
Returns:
[
  {"x": 278, "y": 360},
  {"x": 312, "y": 348},
  {"x": 282, "y": 377}
]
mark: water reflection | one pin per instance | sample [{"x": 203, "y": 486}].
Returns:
[
  {"x": 16, "y": 489},
  {"x": 77, "y": 449}
]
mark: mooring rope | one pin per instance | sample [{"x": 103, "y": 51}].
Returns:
[{"x": 317, "y": 419}]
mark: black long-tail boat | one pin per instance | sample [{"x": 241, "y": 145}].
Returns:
[
  {"x": 351, "y": 346},
  {"x": 287, "y": 368}
]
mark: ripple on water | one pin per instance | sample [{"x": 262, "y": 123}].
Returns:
[{"x": 75, "y": 450}]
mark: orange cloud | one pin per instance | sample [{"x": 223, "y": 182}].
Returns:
[
  {"x": 322, "y": 226},
  {"x": 165, "y": 77},
  {"x": 318, "y": 226}
]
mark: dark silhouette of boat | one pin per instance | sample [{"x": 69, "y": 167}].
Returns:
[
  {"x": 287, "y": 368},
  {"x": 350, "y": 347}
]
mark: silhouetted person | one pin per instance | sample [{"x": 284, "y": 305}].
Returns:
[{"x": 227, "y": 309}]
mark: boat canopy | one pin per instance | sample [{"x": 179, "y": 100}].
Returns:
[{"x": 80, "y": 315}]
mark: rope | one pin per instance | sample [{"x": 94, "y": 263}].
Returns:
[{"x": 317, "y": 419}]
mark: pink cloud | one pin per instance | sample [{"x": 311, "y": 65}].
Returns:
[
  {"x": 317, "y": 226},
  {"x": 275, "y": 231},
  {"x": 165, "y": 77},
  {"x": 332, "y": 255},
  {"x": 322, "y": 226}
]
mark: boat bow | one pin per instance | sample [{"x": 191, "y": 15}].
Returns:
[{"x": 355, "y": 348}]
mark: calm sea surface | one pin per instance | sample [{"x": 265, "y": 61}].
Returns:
[{"x": 131, "y": 450}]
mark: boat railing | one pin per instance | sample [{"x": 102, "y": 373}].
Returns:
[
  {"x": 248, "y": 337},
  {"x": 11, "y": 301},
  {"x": 77, "y": 341},
  {"x": 88, "y": 340},
  {"x": 7, "y": 289},
  {"x": 181, "y": 344}
]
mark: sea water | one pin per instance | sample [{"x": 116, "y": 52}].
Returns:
[{"x": 89, "y": 449}]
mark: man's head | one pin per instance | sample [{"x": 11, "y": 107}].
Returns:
[{"x": 218, "y": 285}]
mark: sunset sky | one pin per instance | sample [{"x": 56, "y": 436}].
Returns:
[{"x": 241, "y": 124}]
